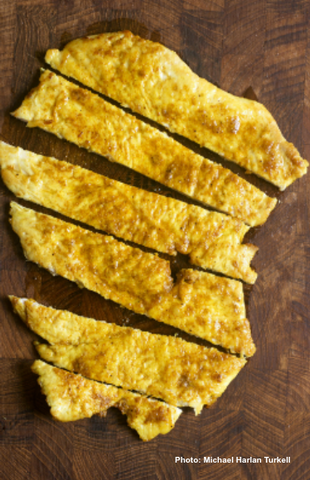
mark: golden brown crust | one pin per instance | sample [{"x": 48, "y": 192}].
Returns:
[
  {"x": 180, "y": 373},
  {"x": 153, "y": 80},
  {"x": 212, "y": 240},
  {"x": 199, "y": 303},
  {"x": 98, "y": 262},
  {"x": 76, "y": 114},
  {"x": 72, "y": 397}
]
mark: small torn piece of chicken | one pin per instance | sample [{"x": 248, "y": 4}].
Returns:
[
  {"x": 73, "y": 397},
  {"x": 153, "y": 81},
  {"x": 199, "y": 303},
  {"x": 212, "y": 240},
  {"x": 180, "y": 373},
  {"x": 81, "y": 117}
]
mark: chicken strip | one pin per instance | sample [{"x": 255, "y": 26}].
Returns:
[{"x": 199, "y": 303}]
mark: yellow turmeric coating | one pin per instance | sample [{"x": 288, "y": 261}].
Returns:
[
  {"x": 72, "y": 397},
  {"x": 180, "y": 373},
  {"x": 81, "y": 117},
  {"x": 199, "y": 303},
  {"x": 212, "y": 240},
  {"x": 154, "y": 81}
]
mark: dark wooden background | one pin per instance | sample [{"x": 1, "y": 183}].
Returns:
[{"x": 258, "y": 48}]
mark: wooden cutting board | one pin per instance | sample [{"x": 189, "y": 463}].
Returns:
[{"x": 257, "y": 48}]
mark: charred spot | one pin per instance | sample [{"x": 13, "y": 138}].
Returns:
[
  {"x": 157, "y": 415},
  {"x": 79, "y": 366},
  {"x": 142, "y": 73},
  {"x": 103, "y": 401},
  {"x": 217, "y": 377},
  {"x": 184, "y": 381},
  {"x": 79, "y": 94}
]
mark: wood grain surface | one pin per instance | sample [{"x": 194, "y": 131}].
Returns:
[{"x": 256, "y": 48}]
